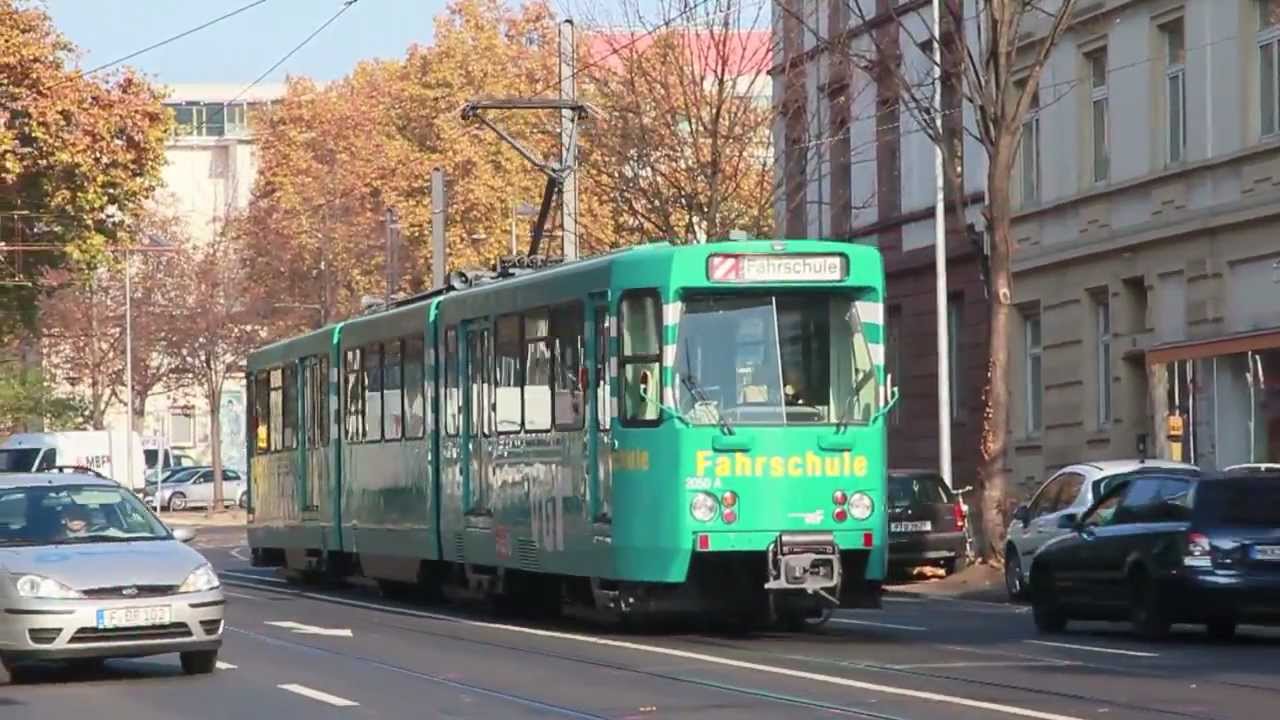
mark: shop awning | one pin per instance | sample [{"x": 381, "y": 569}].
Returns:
[{"x": 1217, "y": 347}]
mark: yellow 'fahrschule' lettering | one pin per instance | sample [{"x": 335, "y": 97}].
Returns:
[{"x": 808, "y": 465}]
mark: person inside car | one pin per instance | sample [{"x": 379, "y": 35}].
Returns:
[{"x": 75, "y": 521}]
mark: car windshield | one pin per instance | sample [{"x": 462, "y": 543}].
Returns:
[
  {"x": 789, "y": 358},
  {"x": 70, "y": 514},
  {"x": 906, "y": 490},
  {"x": 18, "y": 459},
  {"x": 1252, "y": 502}
]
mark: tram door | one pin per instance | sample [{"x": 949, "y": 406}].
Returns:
[
  {"x": 600, "y": 423},
  {"x": 478, "y": 420}
]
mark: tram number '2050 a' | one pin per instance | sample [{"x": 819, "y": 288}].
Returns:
[{"x": 548, "y": 523}]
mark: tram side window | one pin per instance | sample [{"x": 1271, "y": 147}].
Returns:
[
  {"x": 373, "y": 392},
  {"x": 354, "y": 389},
  {"x": 392, "y": 392},
  {"x": 277, "y": 409},
  {"x": 291, "y": 406},
  {"x": 507, "y": 350},
  {"x": 603, "y": 413},
  {"x": 537, "y": 379},
  {"x": 322, "y": 402},
  {"x": 414, "y": 396},
  {"x": 640, "y": 318},
  {"x": 452, "y": 400},
  {"x": 262, "y": 412},
  {"x": 566, "y": 339}
]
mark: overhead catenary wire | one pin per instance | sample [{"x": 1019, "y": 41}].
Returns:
[{"x": 161, "y": 43}]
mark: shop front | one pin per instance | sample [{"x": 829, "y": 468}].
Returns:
[{"x": 1216, "y": 403}]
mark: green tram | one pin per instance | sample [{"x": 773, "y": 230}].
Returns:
[{"x": 663, "y": 429}]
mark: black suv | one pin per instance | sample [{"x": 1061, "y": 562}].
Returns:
[
  {"x": 1167, "y": 546},
  {"x": 926, "y": 522}
]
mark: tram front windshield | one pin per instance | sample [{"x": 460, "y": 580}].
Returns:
[{"x": 774, "y": 359}]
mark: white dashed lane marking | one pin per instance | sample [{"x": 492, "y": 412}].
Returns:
[
  {"x": 1091, "y": 648},
  {"x": 939, "y": 697},
  {"x": 225, "y": 666},
  {"x": 891, "y": 626},
  {"x": 323, "y": 697}
]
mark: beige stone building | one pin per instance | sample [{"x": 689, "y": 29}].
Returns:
[{"x": 1147, "y": 268}]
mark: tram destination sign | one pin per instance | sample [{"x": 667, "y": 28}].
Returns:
[{"x": 762, "y": 268}]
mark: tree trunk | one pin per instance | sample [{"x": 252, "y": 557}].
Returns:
[
  {"x": 995, "y": 432},
  {"x": 215, "y": 443}
]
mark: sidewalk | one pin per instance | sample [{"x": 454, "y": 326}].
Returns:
[
  {"x": 979, "y": 583},
  {"x": 198, "y": 518}
]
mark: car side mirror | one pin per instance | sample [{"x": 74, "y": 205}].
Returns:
[
  {"x": 184, "y": 535},
  {"x": 1068, "y": 521},
  {"x": 1022, "y": 514}
]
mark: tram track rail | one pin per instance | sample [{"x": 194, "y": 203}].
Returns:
[{"x": 720, "y": 642}]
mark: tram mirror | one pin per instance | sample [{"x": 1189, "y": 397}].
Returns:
[{"x": 645, "y": 384}]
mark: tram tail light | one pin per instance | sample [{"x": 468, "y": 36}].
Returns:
[
  {"x": 729, "y": 499},
  {"x": 729, "y": 516},
  {"x": 839, "y": 497},
  {"x": 840, "y": 514},
  {"x": 868, "y": 540}
]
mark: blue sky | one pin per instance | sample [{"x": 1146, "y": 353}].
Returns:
[{"x": 239, "y": 49}]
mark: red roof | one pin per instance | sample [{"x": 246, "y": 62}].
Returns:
[{"x": 744, "y": 52}]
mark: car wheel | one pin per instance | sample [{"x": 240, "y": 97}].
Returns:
[
  {"x": 1222, "y": 628},
  {"x": 1045, "y": 610},
  {"x": 1146, "y": 610},
  {"x": 244, "y": 501},
  {"x": 199, "y": 662},
  {"x": 1013, "y": 574},
  {"x": 178, "y": 501}
]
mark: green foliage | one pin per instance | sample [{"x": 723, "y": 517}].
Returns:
[{"x": 26, "y": 396}]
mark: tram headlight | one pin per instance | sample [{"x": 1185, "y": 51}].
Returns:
[
  {"x": 861, "y": 506},
  {"x": 703, "y": 507}
]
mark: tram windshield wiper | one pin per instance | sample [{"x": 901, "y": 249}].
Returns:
[
  {"x": 700, "y": 395},
  {"x": 863, "y": 378}
]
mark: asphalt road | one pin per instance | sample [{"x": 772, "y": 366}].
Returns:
[{"x": 353, "y": 654}]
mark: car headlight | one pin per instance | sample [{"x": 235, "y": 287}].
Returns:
[
  {"x": 35, "y": 586},
  {"x": 202, "y": 579},
  {"x": 704, "y": 507},
  {"x": 861, "y": 506}
]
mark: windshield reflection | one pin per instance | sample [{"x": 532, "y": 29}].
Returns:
[
  {"x": 781, "y": 359},
  {"x": 70, "y": 514}
]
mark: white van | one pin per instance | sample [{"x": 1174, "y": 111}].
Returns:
[
  {"x": 100, "y": 450},
  {"x": 161, "y": 458}
]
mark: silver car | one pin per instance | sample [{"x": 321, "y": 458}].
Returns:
[
  {"x": 191, "y": 488},
  {"x": 88, "y": 573},
  {"x": 1071, "y": 489}
]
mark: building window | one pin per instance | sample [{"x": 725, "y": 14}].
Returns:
[
  {"x": 182, "y": 431},
  {"x": 1269, "y": 65},
  {"x": 1102, "y": 322},
  {"x": 1176, "y": 89},
  {"x": 1035, "y": 379},
  {"x": 955, "y": 309},
  {"x": 1098, "y": 98},
  {"x": 1030, "y": 152}
]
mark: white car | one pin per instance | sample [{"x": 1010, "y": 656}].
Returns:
[{"x": 1071, "y": 489}]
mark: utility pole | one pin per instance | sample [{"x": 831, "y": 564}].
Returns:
[
  {"x": 940, "y": 260},
  {"x": 391, "y": 229},
  {"x": 128, "y": 377},
  {"x": 439, "y": 260},
  {"x": 568, "y": 144}
]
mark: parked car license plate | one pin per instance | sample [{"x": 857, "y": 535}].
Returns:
[
  {"x": 920, "y": 526},
  {"x": 1266, "y": 552},
  {"x": 134, "y": 617}
]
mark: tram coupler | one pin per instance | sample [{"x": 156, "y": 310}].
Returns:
[{"x": 808, "y": 561}]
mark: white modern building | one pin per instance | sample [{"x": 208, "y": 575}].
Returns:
[{"x": 211, "y": 166}]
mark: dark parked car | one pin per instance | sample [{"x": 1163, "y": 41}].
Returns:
[
  {"x": 926, "y": 522},
  {"x": 1166, "y": 546}
]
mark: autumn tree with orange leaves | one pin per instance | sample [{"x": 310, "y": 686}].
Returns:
[{"x": 78, "y": 155}]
